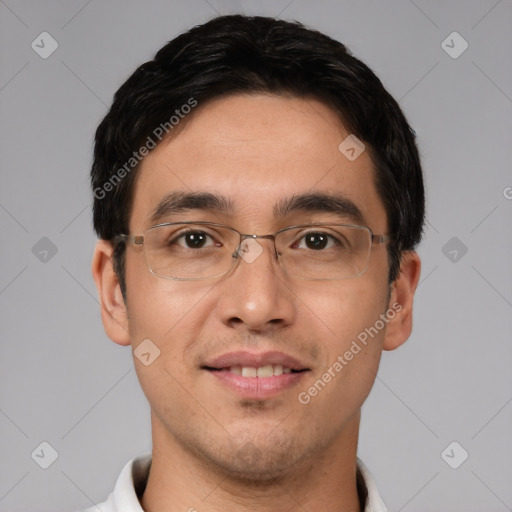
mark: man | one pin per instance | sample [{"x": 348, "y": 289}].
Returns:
[{"x": 258, "y": 198}]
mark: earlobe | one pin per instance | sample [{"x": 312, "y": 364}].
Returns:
[
  {"x": 399, "y": 327},
  {"x": 113, "y": 308}
]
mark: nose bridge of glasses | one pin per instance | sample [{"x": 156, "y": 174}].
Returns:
[
  {"x": 249, "y": 244},
  {"x": 244, "y": 236}
]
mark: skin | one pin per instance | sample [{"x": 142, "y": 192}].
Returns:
[{"x": 255, "y": 150}]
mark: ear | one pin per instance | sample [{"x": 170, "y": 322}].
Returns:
[
  {"x": 113, "y": 308},
  {"x": 399, "y": 327}
]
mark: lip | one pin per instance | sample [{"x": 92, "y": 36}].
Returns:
[
  {"x": 243, "y": 358},
  {"x": 256, "y": 388}
]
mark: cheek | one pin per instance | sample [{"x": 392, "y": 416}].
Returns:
[
  {"x": 158, "y": 307},
  {"x": 171, "y": 316},
  {"x": 343, "y": 309},
  {"x": 349, "y": 313}
]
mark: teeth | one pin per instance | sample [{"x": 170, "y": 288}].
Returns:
[
  {"x": 265, "y": 371},
  {"x": 249, "y": 372},
  {"x": 262, "y": 372}
]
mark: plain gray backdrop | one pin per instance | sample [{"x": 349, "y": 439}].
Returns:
[{"x": 65, "y": 383}]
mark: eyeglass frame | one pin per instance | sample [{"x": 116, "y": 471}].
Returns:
[{"x": 138, "y": 241}]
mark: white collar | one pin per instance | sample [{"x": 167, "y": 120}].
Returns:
[{"x": 135, "y": 472}]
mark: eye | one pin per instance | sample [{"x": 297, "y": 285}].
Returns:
[
  {"x": 317, "y": 241},
  {"x": 194, "y": 240}
]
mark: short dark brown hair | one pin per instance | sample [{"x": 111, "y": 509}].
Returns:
[{"x": 241, "y": 54}]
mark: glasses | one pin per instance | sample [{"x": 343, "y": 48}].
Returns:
[{"x": 191, "y": 251}]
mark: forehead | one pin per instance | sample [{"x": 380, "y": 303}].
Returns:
[{"x": 256, "y": 151}]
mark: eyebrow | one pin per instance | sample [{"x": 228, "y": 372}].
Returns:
[
  {"x": 314, "y": 202},
  {"x": 178, "y": 202}
]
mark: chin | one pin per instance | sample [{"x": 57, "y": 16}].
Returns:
[
  {"x": 268, "y": 469},
  {"x": 261, "y": 461}
]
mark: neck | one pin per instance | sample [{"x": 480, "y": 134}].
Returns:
[{"x": 180, "y": 480}]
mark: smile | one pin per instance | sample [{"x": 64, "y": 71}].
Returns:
[{"x": 269, "y": 370}]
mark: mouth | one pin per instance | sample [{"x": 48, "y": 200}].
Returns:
[
  {"x": 262, "y": 372},
  {"x": 256, "y": 376}
]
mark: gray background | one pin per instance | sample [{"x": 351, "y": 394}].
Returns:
[{"x": 64, "y": 382}]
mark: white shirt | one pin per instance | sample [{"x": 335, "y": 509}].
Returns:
[{"x": 135, "y": 473}]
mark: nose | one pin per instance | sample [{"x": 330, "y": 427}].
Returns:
[{"x": 256, "y": 295}]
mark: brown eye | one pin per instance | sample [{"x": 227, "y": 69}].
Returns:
[
  {"x": 194, "y": 240},
  {"x": 316, "y": 241}
]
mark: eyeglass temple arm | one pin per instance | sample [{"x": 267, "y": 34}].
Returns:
[
  {"x": 139, "y": 239},
  {"x": 129, "y": 239},
  {"x": 381, "y": 239}
]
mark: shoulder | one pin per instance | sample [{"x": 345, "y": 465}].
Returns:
[
  {"x": 106, "y": 506},
  {"x": 131, "y": 481},
  {"x": 373, "y": 500}
]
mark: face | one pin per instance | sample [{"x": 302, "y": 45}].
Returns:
[{"x": 257, "y": 151}]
